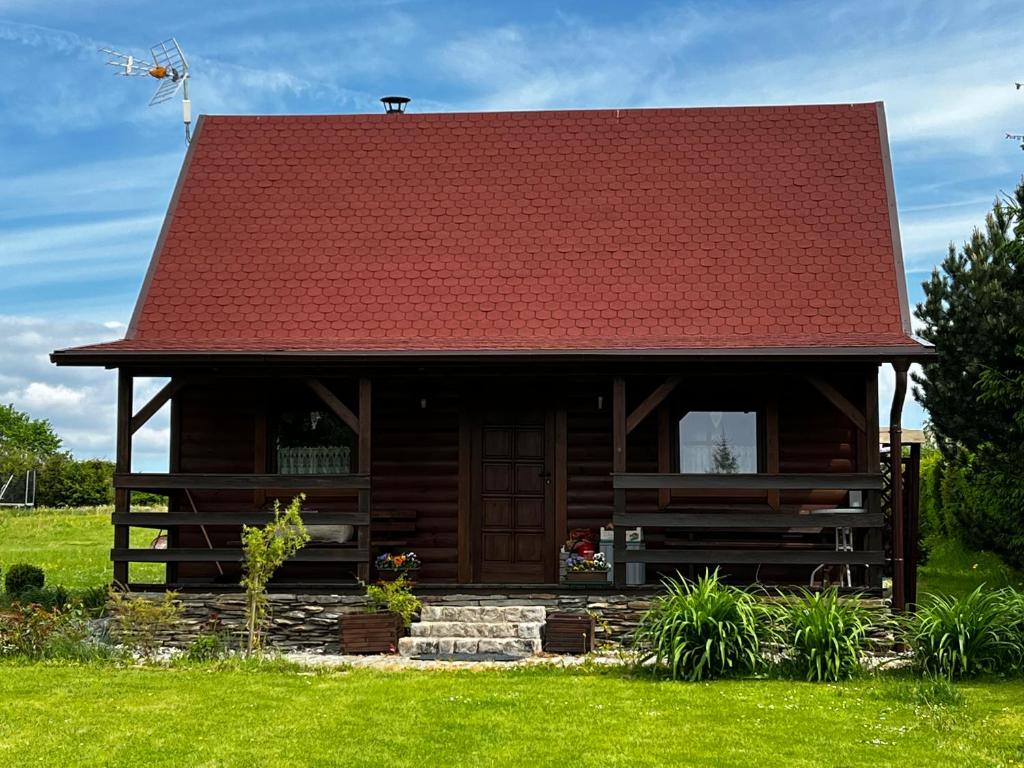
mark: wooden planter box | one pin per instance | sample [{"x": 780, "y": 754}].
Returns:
[
  {"x": 586, "y": 577},
  {"x": 370, "y": 632},
  {"x": 569, "y": 633},
  {"x": 393, "y": 575}
]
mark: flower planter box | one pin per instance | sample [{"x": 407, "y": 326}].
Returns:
[
  {"x": 369, "y": 632},
  {"x": 569, "y": 633},
  {"x": 586, "y": 577},
  {"x": 388, "y": 575}
]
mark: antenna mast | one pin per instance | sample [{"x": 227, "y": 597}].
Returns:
[{"x": 168, "y": 65}]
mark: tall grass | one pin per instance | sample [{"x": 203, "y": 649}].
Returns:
[
  {"x": 825, "y": 635},
  {"x": 703, "y": 630},
  {"x": 982, "y": 633}
]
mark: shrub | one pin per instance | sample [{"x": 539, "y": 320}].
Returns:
[
  {"x": 23, "y": 576},
  {"x": 45, "y": 597},
  {"x": 207, "y": 647},
  {"x": 703, "y": 630},
  {"x": 33, "y": 632},
  {"x": 395, "y": 597},
  {"x": 141, "y": 621},
  {"x": 825, "y": 635},
  {"x": 64, "y": 481},
  {"x": 265, "y": 550},
  {"x": 967, "y": 636}
]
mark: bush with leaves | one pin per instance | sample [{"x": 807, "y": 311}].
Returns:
[
  {"x": 141, "y": 622},
  {"x": 824, "y": 635},
  {"x": 265, "y": 549},
  {"x": 394, "y": 597},
  {"x": 23, "y": 576},
  {"x": 35, "y": 632},
  {"x": 956, "y": 637},
  {"x": 703, "y": 630}
]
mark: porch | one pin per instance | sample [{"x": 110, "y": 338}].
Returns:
[{"x": 484, "y": 476}]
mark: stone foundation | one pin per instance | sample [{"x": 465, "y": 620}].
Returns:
[{"x": 310, "y": 622}]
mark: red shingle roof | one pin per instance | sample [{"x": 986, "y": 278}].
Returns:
[{"x": 725, "y": 228}]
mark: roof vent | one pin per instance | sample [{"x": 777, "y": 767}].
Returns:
[{"x": 394, "y": 105}]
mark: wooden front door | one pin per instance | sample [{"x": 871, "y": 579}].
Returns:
[{"x": 513, "y": 506}]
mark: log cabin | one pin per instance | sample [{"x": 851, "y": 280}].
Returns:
[{"x": 466, "y": 335}]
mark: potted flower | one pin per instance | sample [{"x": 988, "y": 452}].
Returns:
[
  {"x": 586, "y": 569},
  {"x": 391, "y": 566},
  {"x": 390, "y": 608}
]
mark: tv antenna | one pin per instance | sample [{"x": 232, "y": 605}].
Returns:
[{"x": 168, "y": 65}]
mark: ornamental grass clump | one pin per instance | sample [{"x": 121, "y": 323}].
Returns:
[
  {"x": 968, "y": 636},
  {"x": 698, "y": 631},
  {"x": 824, "y": 636}
]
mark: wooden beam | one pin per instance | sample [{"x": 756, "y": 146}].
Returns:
[
  {"x": 619, "y": 465},
  {"x": 175, "y": 519},
  {"x": 774, "y": 556},
  {"x": 127, "y": 555},
  {"x": 619, "y": 425},
  {"x": 123, "y": 463},
  {"x": 653, "y": 400},
  {"x": 822, "y": 481},
  {"x": 465, "y": 511},
  {"x": 340, "y": 410},
  {"x": 364, "y": 427},
  {"x": 561, "y": 476},
  {"x": 899, "y": 599},
  {"x": 664, "y": 452},
  {"x": 146, "y": 412},
  {"x": 771, "y": 445},
  {"x": 840, "y": 401},
  {"x": 751, "y": 520},
  {"x": 198, "y": 481}
]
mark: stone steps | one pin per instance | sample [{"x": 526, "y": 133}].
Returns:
[
  {"x": 525, "y": 630},
  {"x": 475, "y": 633}
]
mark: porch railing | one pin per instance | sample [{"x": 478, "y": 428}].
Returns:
[
  {"x": 868, "y": 516},
  {"x": 271, "y": 484}
]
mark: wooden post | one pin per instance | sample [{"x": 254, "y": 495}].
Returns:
[
  {"x": 619, "y": 465},
  {"x": 899, "y": 601},
  {"x": 870, "y": 461},
  {"x": 465, "y": 522},
  {"x": 771, "y": 446},
  {"x": 365, "y": 467},
  {"x": 123, "y": 464}
]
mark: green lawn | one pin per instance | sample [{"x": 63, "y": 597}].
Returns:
[
  {"x": 71, "y": 545},
  {"x": 156, "y": 716},
  {"x": 953, "y": 570}
]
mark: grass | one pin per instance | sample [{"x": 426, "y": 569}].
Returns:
[
  {"x": 95, "y": 715},
  {"x": 955, "y": 571},
  {"x": 71, "y": 545}
]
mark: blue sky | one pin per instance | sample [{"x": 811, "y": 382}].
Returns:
[{"x": 87, "y": 168}]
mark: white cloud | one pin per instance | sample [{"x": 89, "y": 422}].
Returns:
[{"x": 80, "y": 403}]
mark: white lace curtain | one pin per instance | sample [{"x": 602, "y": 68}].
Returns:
[{"x": 319, "y": 460}]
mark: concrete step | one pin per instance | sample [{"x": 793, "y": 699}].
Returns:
[
  {"x": 477, "y": 629},
  {"x": 488, "y": 613},
  {"x": 469, "y": 648}
]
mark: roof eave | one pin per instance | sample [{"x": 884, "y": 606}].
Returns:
[{"x": 113, "y": 358}]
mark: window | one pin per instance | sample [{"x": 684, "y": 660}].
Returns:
[
  {"x": 313, "y": 442},
  {"x": 718, "y": 442}
]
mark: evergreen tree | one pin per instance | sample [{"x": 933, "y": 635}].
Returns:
[
  {"x": 723, "y": 460},
  {"x": 973, "y": 389}
]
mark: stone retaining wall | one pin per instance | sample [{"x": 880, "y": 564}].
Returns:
[{"x": 310, "y": 622}]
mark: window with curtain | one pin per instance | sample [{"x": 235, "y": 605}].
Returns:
[
  {"x": 313, "y": 442},
  {"x": 718, "y": 442}
]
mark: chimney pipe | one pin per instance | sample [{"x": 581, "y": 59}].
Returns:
[{"x": 394, "y": 105}]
